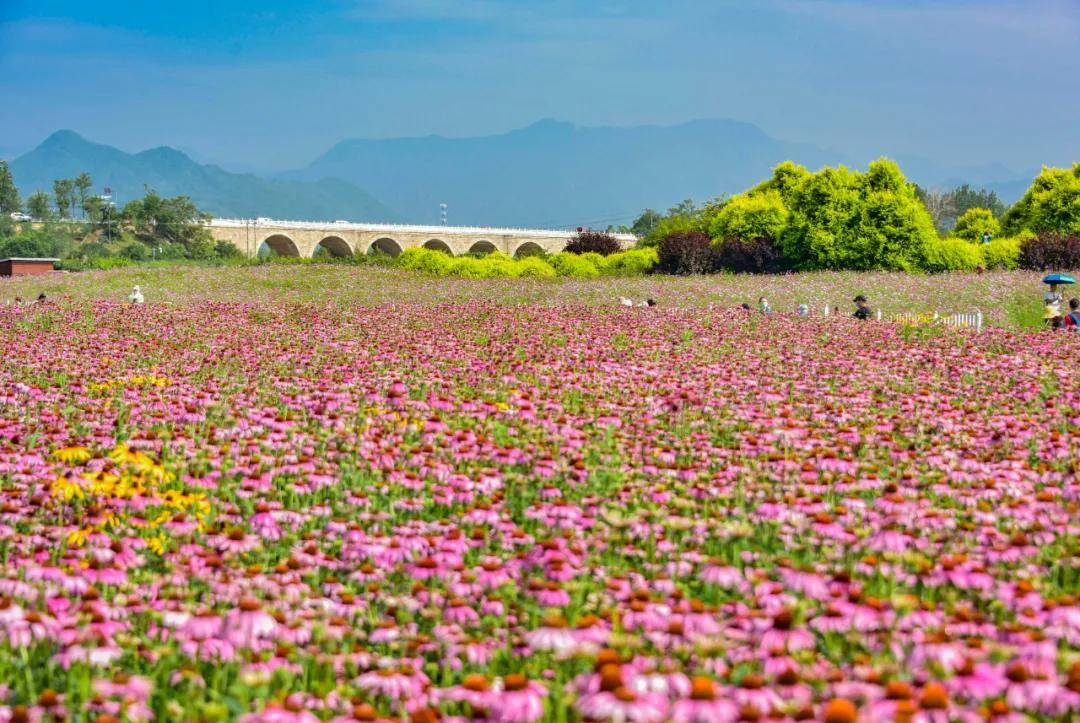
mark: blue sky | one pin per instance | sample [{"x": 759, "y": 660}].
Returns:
[{"x": 270, "y": 85}]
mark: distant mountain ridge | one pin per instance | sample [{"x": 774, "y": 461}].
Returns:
[
  {"x": 554, "y": 173},
  {"x": 548, "y": 174},
  {"x": 65, "y": 154}
]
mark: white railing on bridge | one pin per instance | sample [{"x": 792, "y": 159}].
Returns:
[{"x": 401, "y": 228}]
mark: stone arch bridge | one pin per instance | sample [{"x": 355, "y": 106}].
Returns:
[{"x": 341, "y": 238}]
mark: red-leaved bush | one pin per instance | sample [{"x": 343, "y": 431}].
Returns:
[
  {"x": 593, "y": 241},
  {"x": 751, "y": 255},
  {"x": 1050, "y": 251},
  {"x": 689, "y": 252}
]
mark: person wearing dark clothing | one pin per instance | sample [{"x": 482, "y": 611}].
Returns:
[
  {"x": 1072, "y": 319},
  {"x": 862, "y": 308}
]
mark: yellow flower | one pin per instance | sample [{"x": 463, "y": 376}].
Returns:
[
  {"x": 76, "y": 538},
  {"x": 157, "y": 544},
  {"x": 66, "y": 489},
  {"x": 72, "y": 454}
]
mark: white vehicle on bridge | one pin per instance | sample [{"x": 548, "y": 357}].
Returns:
[{"x": 21, "y": 217}]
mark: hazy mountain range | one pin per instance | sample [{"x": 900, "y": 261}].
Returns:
[
  {"x": 65, "y": 154},
  {"x": 548, "y": 174}
]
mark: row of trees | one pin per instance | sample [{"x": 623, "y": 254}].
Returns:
[
  {"x": 837, "y": 218},
  {"x": 154, "y": 225}
]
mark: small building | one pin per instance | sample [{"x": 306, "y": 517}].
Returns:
[{"x": 26, "y": 267}]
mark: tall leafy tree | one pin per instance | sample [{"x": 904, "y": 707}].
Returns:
[
  {"x": 37, "y": 205},
  {"x": 966, "y": 198},
  {"x": 82, "y": 184},
  {"x": 64, "y": 193},
  {"x": 9, "y": 193},
  {"x": 177, "y": 220},
  {"x": 1052, "y": 204}
]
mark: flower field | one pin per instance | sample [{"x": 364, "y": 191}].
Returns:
[{"x": 268, "y": 504}]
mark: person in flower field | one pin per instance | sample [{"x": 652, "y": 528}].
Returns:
[
  {"x": 862, "y": 308},
  {"x": 1072, "y": 319}
]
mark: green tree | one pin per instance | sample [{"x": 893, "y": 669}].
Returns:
[
  {"x": 645, "y": 223},
  {"x": 841, "y": 219},
  {"x": 177, "y": 220},
  {"x": 37, "y": 205},
  {"x": 1052, "y": 204},
  {"x": 9, "y": 193},
  {"x": 965, "y": 198},
  {"x": 82, "y": 184},
  {"x": 751, "y": 215},
  {"x": 975, "y": 222},
  {"x": 64, "y": 193}
]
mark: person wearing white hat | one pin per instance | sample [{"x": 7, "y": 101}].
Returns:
[{"x": 136, "y": 296}]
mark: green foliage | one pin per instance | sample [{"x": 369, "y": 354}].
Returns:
[
  {"x": 37, "y": 243},
  {"x": 135, "y": 250},
  {"x": 633, "y": 262},
  {"x": 841, "y": 219},
  {"x": 951, "y": 254},
  {"x": 9, "y": 193},
  {"x": 574, "y": 265},
  {"x": 1052, "y": 204},
  {"x": 752, "y": 215},
  {"x": 499, "y": 265},
  {"x": 428, "y": 261},
  {"x": 37, "y": 205},
  {"x": 646, "y": 223},
  {"x": 64, "y": 193},
  {"x": 965, "y": 198},
  {"x": 1001, "y": 253},
  {"x": 975, "y": 222},
  {"x": 534, "y": 267},
  {"x": 227, "y": 250},
  {"x": 156, "y": 219}
]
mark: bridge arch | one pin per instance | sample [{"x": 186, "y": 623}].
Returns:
[
  {"x": 335, "y": 246},
  {"x": 483, "y": 248},
  {"x": 385, "y": 245},
  {"x": 280, "y": 245},
  {"x": 436, "y": 244},
  {"x": 529, "y": 248}
]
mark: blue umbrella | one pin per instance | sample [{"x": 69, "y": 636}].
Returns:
[{"x": 1059, "y": 279}]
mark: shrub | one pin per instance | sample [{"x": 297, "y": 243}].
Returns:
[
  {"x": 1001, "y": 253},
  {"x": 691, "y": 252},
  {"x": 975, "y": 222},
  {"x": 136, "y": 251},
  {"x": 951, "y": 254},
  {"x": 468, "y": 267},
  {"x": 425, "y": 260},
  {"x": 534, "y": 267},
  {"x": 754, "y": 215},
  {"x": 634, "y": 262},
  {"x": 226, "y": 250},
  {"x": 753, "y": 255},
  {"x": 593, "y": 241},
  {"x": 579, "y": 267},
  {"x": 1049, "y": 251},
  {"x": 841, "y": 219}
]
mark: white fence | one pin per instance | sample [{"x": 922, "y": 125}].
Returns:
[{"x": 965, "y": 320}]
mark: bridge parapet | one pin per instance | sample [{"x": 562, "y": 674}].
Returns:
[{"x": 304, "y": 238}]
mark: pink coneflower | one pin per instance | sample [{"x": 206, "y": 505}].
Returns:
[
  {"x": 247, "y": 624},
  {"x": 402, "y": 683},
  {"x": 553, "y": 636},
  {"x": 519, "y": 700},
  {"x": 704, "y": 705}
]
